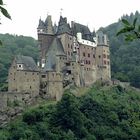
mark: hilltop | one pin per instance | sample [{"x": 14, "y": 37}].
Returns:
[{"x": 102, "y": 112}]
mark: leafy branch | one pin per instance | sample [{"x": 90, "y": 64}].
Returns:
[
  {"x": 4, "y": 12},
  {"x": 131, "y": 31}
]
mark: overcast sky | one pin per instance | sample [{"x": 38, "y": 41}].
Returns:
[{"x": 94, "y": 13}]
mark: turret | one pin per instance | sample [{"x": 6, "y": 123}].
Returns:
[
  {"x": 49, "y": 27},
  {"x": 41, "y": 27},
  {"x": 63, "y": 26},
  {"x": 102, "y": 39},
  {"x": 102, "y": 56},
  {"x": 45, "y": 36}
]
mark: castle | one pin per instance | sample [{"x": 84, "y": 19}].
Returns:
[{"x": 68, "y": 54}]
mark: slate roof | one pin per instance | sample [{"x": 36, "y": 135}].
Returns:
[
  {"x": 55, "y": 49},
  {"x": 27, "y": 61},
  {"x": 48, "y": 24},
  {"x": 41, "y": 24},
  {"x": 86, "y": 34},
  {"x": 63, "y": 26},
  {"x": 50, "y": 63}
]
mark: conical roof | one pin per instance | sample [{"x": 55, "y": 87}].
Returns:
[
  {"x": 63, "y": 26},
  {"x": 41, "y": 24},
  {"x": 55, "y": 50},
  {"x": 48, "y": 24}
]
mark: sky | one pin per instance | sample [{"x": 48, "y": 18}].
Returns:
[{"x": 93, "y": 13}]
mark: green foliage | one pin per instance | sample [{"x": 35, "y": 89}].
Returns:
[
  {"x": 3, "y": 10},
  {"x": 125, "y": 56},
  {"x": 104, "y": 113},
  {"x": 135, "y": 78},
  {"x": 131, "y": 31},
  {"x": 5, "y": 13}
]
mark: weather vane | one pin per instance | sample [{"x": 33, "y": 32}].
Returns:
[
  {"x": 47, "y": 13},
  {"x": 61, "y": 11}
]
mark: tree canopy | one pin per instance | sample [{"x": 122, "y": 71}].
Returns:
[{"x": 104, "y": 113}]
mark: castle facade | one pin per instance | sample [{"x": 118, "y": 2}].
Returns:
[{"x": 68, "y": 54}]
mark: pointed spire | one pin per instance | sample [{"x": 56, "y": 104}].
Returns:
[
  {"x": 61, "y": 11},
  {"x": 48, "y": 24}
]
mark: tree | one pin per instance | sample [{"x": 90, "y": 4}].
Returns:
[
  {"x": 67, "y": 114},
  {"x": 135, "y": 78},
  {"x": 131, "y": 31}
]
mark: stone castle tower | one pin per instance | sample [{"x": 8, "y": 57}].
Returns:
[{"x": 69, "y": 54}]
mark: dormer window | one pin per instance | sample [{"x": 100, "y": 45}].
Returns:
[{"x": 20, "y": 66}]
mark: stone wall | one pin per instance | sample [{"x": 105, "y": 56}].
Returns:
[
  {"x": 12, "y": 104},
  {"x": 23, "y": 81},
  {"x": 55, "y": 85}
]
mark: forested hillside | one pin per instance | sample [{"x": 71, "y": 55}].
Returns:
[
  {"x": 125, "y": 56},
  {"x": 13, "y": 45},
  {"x": 104, "y": 113}
]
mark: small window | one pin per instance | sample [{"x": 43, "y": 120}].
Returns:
[
  {"x": 103, "y": 39},
  {"x": 89, "y": 62},
  {"x": 84, "y": 54},
  {"x": 93, "y": 55},
  {"x": 67, "y": 64},
  {"x": 108, "y": 62},
  {"x": 104, "y": 62},
  {"x": 68, "y": 45},
  {"x": 99, "y": 56},
  {"x": 88, "y": 54},
  {"x": 104, "y": 55},
  {"x": 43, "y": 76}
]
